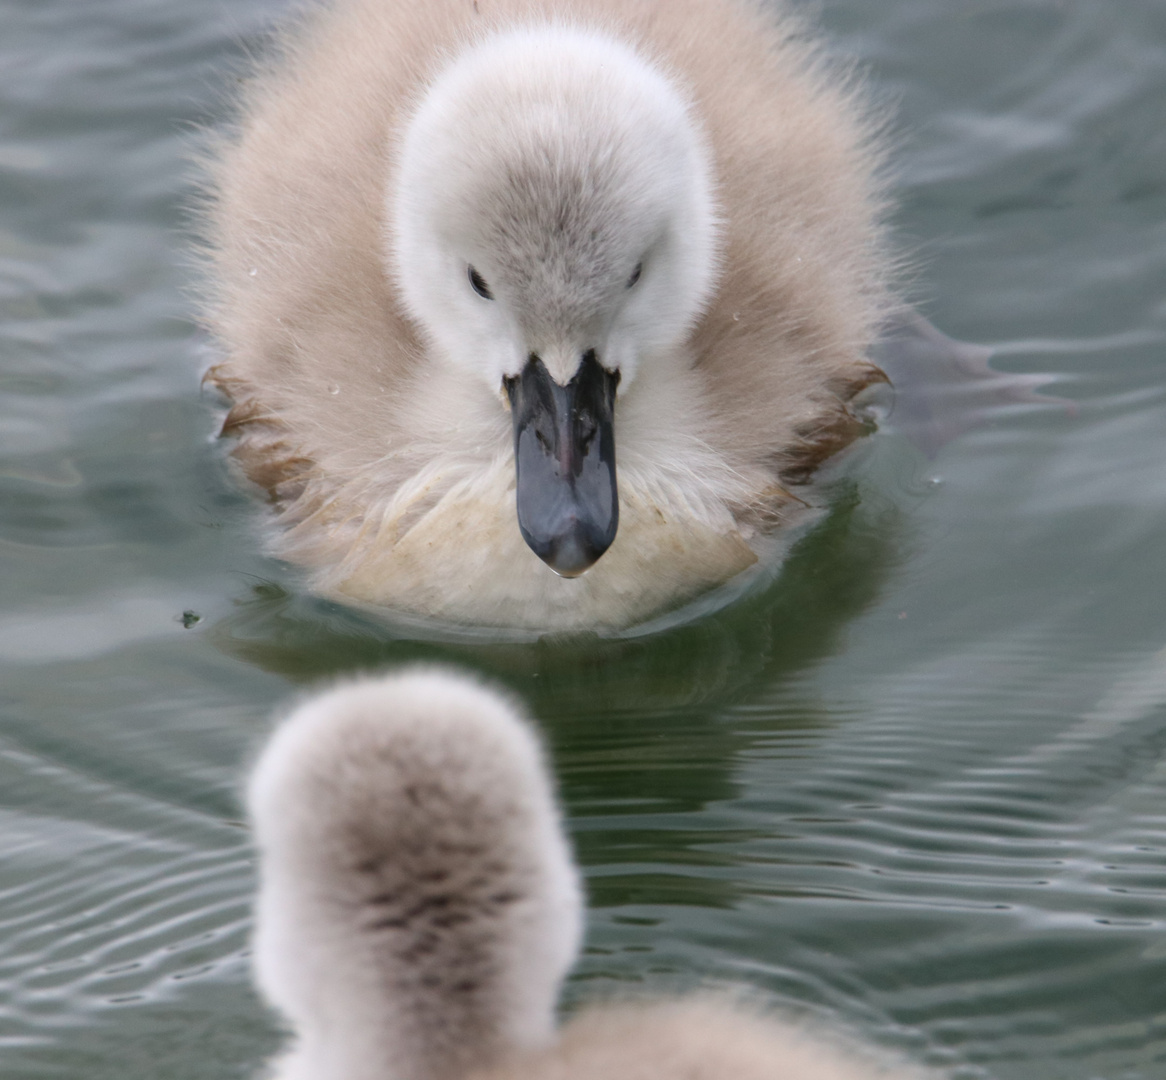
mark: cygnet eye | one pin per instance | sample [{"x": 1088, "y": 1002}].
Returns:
[
  {"x": 478, "y": 284},
  {"x": 636, "y": 274}
]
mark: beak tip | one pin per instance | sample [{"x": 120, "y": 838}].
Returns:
[
  {"x": 572, "y": 572},
  {"x": 572, "y": 553}
]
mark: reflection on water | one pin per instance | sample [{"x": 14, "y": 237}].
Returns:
[
  {"x": 831, "y": 575},
  {"x": 915, "y": 784}
]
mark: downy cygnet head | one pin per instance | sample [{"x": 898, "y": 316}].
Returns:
[
  {"x": 553, "y": 233},
  {"x": 418, "y": 906}
]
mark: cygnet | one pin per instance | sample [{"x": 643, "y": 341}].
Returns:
[
  {"x": 467, "y": 255},
  {"x": 419, "y": 908}
]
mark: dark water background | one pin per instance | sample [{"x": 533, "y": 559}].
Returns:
[{"x": 916, "y": 787}]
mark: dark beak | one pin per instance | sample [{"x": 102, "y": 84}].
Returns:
[{"x": 564, "y": 451}]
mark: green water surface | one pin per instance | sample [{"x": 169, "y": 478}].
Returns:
[{"x": 916, "y": 786}]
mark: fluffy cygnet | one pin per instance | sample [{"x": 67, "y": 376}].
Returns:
[
  {"x": 469, "y": 255},
  {"x": 418, "y": 909}
]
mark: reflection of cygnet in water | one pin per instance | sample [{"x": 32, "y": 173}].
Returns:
[{"x": 419, "y": 908}]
